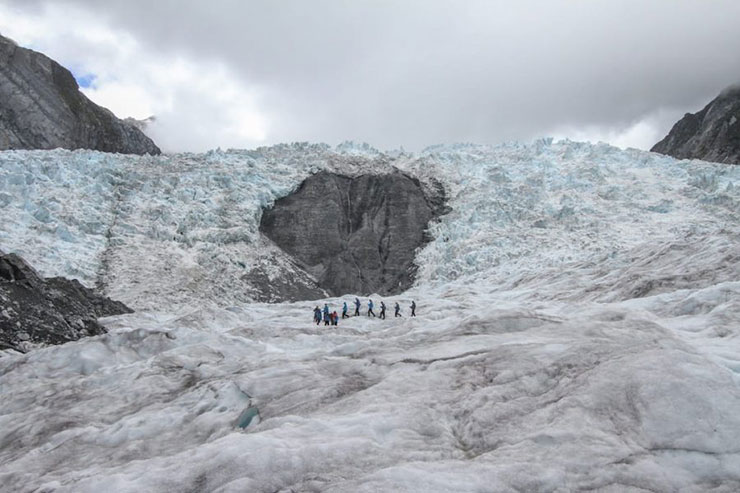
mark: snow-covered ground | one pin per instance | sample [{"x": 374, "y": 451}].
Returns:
[{"x": 578, "y": 329}]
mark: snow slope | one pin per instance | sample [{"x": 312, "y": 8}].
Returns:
[{"x": 578, "y": 329}]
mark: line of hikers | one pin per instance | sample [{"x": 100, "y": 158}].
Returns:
[{"x": 332, "y": 318}]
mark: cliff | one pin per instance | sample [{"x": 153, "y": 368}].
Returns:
[
  {"x": 355, "y": 235},
  {"x": 712, "y": 134},
  {"x": 41, "y": 107}
]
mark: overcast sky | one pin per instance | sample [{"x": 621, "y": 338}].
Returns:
[{"x": 238, "y": 73}]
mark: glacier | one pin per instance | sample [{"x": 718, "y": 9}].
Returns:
[{"x": 578, "y": 312}]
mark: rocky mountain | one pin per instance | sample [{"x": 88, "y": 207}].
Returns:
[
  {"x": 41, "y": 107},
  {"x": 355, "y": 234},
  {"x": 47, "y": 311},
  {"x": 712, "y": 134}
]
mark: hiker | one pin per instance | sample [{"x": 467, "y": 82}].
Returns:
[
  {"x": 413, "y": 308},
  {"x": 344, "y": 310},
  {"x": 327, "y": 318},
  {"x": 357, "y": 307},
  {"x": 370, "y": 308},
  {"x": 397, "y": 309},
  {"x": 335, "y": 318},
  {"x": 317, "y": 315},
  {"x": 382, "y": 310}
]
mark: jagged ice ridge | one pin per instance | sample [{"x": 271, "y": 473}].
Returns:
[{"x": 174, "y": 229}]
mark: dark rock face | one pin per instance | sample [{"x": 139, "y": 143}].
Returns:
[
  {"x": 47, "y": 311},
  {"x": 713, "y": 134},
  {"x": 355, "y": 235},
  {"x": 41, "y": 107}
]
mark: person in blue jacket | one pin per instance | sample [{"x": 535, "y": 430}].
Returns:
[
  {"x": 317, "y": 315},
  {"x": 370, "y": 308},
  {"x": 326, "y": 314},
  {"x": 357, "y": 307},
  {"x": 344, "y": 310}
]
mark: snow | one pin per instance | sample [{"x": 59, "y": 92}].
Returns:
[{"x": 578, "y": 316}]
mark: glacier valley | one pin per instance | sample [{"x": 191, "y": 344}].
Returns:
[{"x": 577, "y": 329}]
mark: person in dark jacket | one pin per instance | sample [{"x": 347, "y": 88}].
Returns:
[
  {"x": 382, "y": 310},
  {"x": 397, "y": 310},
  {"x": 370, "y": 308},
  {"x": 413, "y": 308},
  {"x": 317, "y": 315},
  {"x": 357, "y": 307}
]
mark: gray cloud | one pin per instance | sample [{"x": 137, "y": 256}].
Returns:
[{"x": 414, "y": 73}]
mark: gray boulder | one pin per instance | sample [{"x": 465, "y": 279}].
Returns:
[
  {"x": 41, "y": 107},
  {"x": 355, "y": 234},
  {"x": 34, "y": 310},
  {"x": 712, "y": 134}
]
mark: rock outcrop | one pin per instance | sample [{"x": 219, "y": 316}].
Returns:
[
  {"x": 712, "y": 134},
  {"x": 355, "y": 235},
  {"x": 34, "y": 310},
  {"x": 41, "y": 107}
]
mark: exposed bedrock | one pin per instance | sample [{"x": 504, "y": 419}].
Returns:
[
  {"x": 712, "y": 134},
  {"x": 34, "y": 310},
  {"x": 41, "y": 107},
  {"x": 355, "y": 234}
]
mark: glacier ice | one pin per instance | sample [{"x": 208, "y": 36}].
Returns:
[
  {"x": 182, "y": 228},
  {"x": 510, "y": 395},
  {"x": 577, "y": 328}
]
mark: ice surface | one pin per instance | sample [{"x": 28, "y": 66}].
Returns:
[
  {"x": 578, "y": 329},
  {"x": 503, "y": 396},
  {"x": 173, "y": 230}
]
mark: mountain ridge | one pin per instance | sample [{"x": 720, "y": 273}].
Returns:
[
  {"x": 711, "y": 134},
  {"x": 41, "y": 107}
]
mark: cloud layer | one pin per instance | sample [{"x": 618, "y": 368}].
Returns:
[{"x": 238, "y": 74}]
